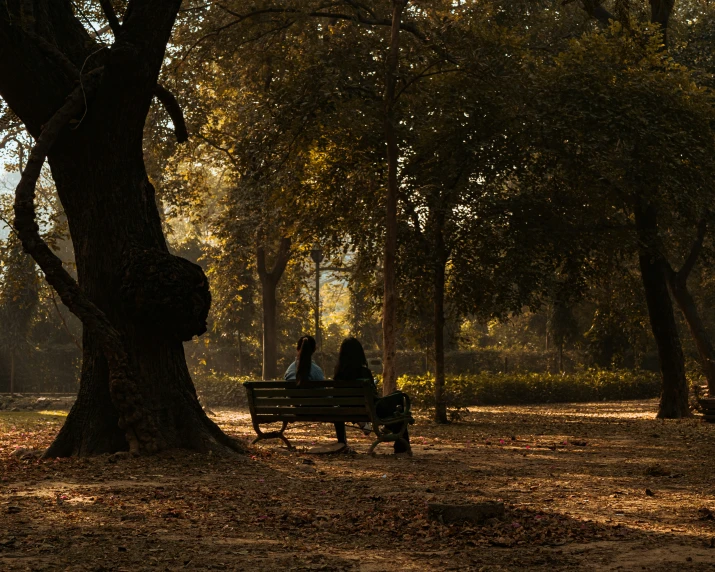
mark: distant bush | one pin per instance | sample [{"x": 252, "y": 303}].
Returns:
[
  {"x": 218, "y": 389},
  {"x": 526, "y": 388}
]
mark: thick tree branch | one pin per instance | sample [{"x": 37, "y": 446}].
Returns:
[
  {"x": 279, "y": 266},
  {"x": 660, "y": 11},
  {"x": 281, "y": 259},
  {"x": 31, "y": 83},
  {"x": 261, "y": 263},
  {"x": 133, "y": 66},
  {"x": 695, "y": 250},
  {"x": 111, "y": 17},
  {"x": 173, "y": 108},
  {"x": 55, "y": 54},
  {"x": 594, "y": 9}
]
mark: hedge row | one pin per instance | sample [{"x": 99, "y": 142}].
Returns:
[
  {"x": 481, "y": 388},
  {"x": 528, "y": 388}
]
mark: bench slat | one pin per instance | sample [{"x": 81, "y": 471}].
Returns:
[
  {"x": 317, "y": 418},
  {"x": 323, "y": 392},
  {"x": 322, "y": 401},
  {"x": 325, "y": 411},
  {"x": 306, "y": 385}
]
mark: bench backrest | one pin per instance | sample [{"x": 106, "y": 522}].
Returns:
[{"x": 328, "y": 400}]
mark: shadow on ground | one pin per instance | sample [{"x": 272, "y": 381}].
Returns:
[{"x": 587, "y": 486}]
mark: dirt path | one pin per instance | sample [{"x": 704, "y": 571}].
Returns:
[{"x": 588, "y": 486}]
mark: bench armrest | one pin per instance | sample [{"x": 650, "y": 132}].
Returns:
[{"x": 403, "y": 410}]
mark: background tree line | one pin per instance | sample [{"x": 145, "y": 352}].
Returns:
[{"x": 553, "y": 178}]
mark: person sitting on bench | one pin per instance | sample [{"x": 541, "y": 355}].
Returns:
[
  {"x": 305, "y": 369},
  {"x": 352, "y": 365}
]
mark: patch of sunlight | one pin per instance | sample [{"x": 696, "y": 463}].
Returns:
[
  {"x": 618, "y": 410},
  {"x": 55, "y": 413}
]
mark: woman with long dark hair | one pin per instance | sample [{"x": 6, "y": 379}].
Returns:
[
  {"x": 304, "y": 368},
  {"x": 352, "y": 365}
]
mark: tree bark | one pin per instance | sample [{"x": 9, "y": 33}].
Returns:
[
  {"x": 660, "y": 11},
  {"x": 240, "y": 354},
  {"x": 137, "y": 303},
  {"x": 697, "y": 329},
  {"x": 678, "y": 282},
  {"x": 440, "y": 261},
  {"x": 674, "y": 398},
  {"x": 12, "y": 372},
  {"x": 389, "y": 308},
  {"x": 269, "y": 283}
]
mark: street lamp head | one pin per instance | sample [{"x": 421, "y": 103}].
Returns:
[{"x": 316, "y": 254}]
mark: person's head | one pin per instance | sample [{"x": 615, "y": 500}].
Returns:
[
  {"x": 351, "y": 359},
  {"x": 306, "y": 349}
]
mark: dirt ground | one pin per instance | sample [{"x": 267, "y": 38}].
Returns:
[{"x": 586, "y": 487}]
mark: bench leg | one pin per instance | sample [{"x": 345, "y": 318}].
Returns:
[
  {"x": 389, "y": 437},
  {"x": 272, "y": 435}
]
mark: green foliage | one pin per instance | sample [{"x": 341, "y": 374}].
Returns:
[
  {"x": 513, "y": 389},
  {"x": 217, "y": 389}
]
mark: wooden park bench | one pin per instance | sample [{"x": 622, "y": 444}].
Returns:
[{"x": 326, "y": 401}]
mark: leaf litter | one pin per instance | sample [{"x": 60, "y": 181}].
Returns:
[{"x": 572, "y": 478}]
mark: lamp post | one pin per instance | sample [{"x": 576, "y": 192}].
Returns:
[{"x": 317, "y": 255}]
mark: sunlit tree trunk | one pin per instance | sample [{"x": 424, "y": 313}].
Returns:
[{"x": 389, "y": 309}]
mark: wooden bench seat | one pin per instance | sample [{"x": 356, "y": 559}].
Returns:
[{"x": 327, "y": 401}]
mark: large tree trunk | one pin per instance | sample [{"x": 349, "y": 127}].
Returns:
[
  {"x": 440, "y": 414},
  {"x": 389, "y": 307},
  {"x": 137, "y": 302},
  {"x": 269, "y": 283},
  {"x": 118, "y": 241},
  {"x": 674, "y": 398},
  {"x": 270, "y": 339}
]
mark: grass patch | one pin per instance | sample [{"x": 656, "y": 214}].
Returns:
[
  {"x": 29, "y": 420},
  {"x": 531, "y": 388}
]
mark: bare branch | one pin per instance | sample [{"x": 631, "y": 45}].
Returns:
[
  {"x": 218, "y": 147},
  {"x": 423, "y": 74}
]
